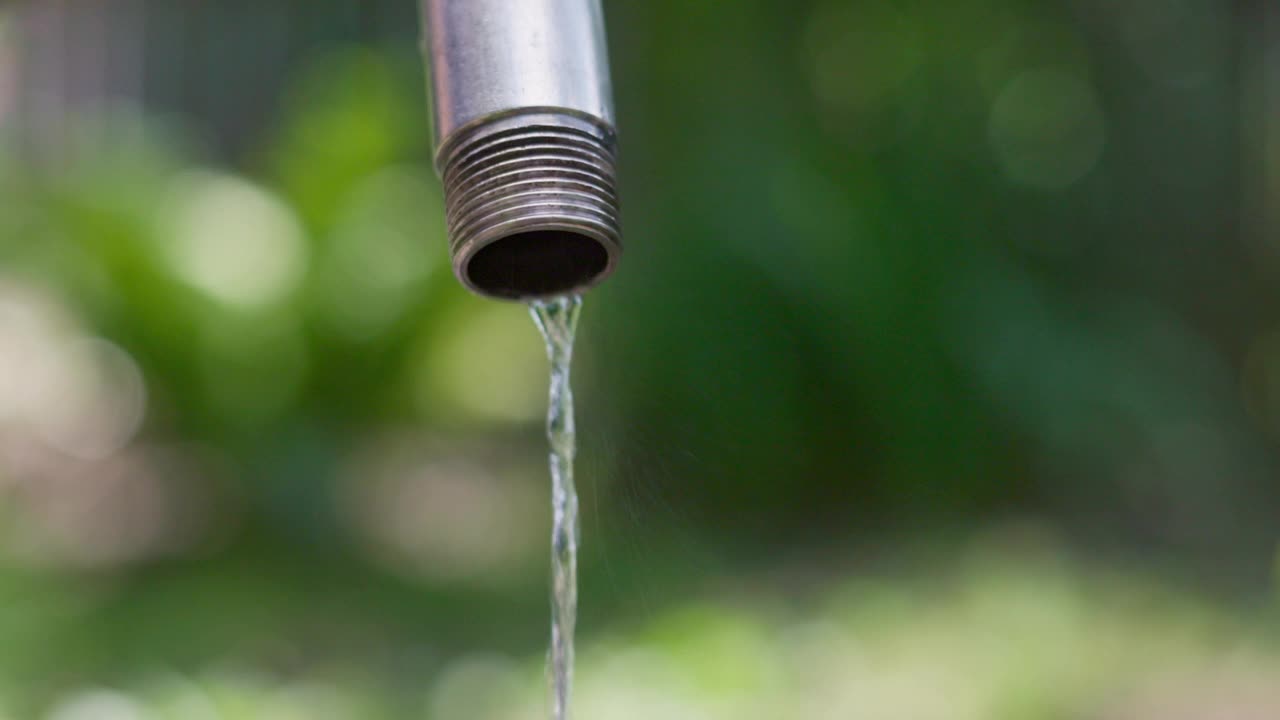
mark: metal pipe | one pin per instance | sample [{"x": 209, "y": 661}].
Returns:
[{"x": 525, "y": 143}]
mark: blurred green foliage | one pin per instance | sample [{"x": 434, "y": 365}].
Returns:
[
  {"x": 1023, "y": 635},
  {"x": 894, "y": 270}
]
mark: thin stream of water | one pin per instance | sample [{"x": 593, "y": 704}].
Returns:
[{"x": 558, "y": 321}]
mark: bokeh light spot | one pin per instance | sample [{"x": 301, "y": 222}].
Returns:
[
  {"x": 443, "y": 516},
  {"x": 233, "y": 240},
  {"x": 1047, "y": 129},
  {"x": 489, "y": 364},
  {"x": 638, "y": 684},
  {"x": 481, "y": 687},
  {"x": 78, "y": 395},
  {"x": 860, "y": 56},
  {"x": 99, "y": 705},
  {"x": 99, "y": 404},
  {"x": 388, "y": 240}
]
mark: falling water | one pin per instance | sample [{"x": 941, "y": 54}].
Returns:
[{"x": 558, "y": 319}]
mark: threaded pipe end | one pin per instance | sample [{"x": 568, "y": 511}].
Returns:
[{"x": 531, "y": 205}]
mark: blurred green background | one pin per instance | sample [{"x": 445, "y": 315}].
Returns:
[{"x": 940, "y": 379}]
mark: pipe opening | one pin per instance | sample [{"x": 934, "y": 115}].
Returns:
[
  {"x": 531, "y": 205},
  {"x": 538, "y": 263}
]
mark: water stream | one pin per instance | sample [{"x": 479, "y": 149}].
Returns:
[{"x": 558, "y": 320}]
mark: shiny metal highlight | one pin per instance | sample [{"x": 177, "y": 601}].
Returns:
[{"x": 525, "y": 143}]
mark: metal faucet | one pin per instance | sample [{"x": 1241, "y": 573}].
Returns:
[{"x": 525, "y": 143}]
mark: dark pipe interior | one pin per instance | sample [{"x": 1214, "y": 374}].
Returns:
[{"x": 537, "y": 264}]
